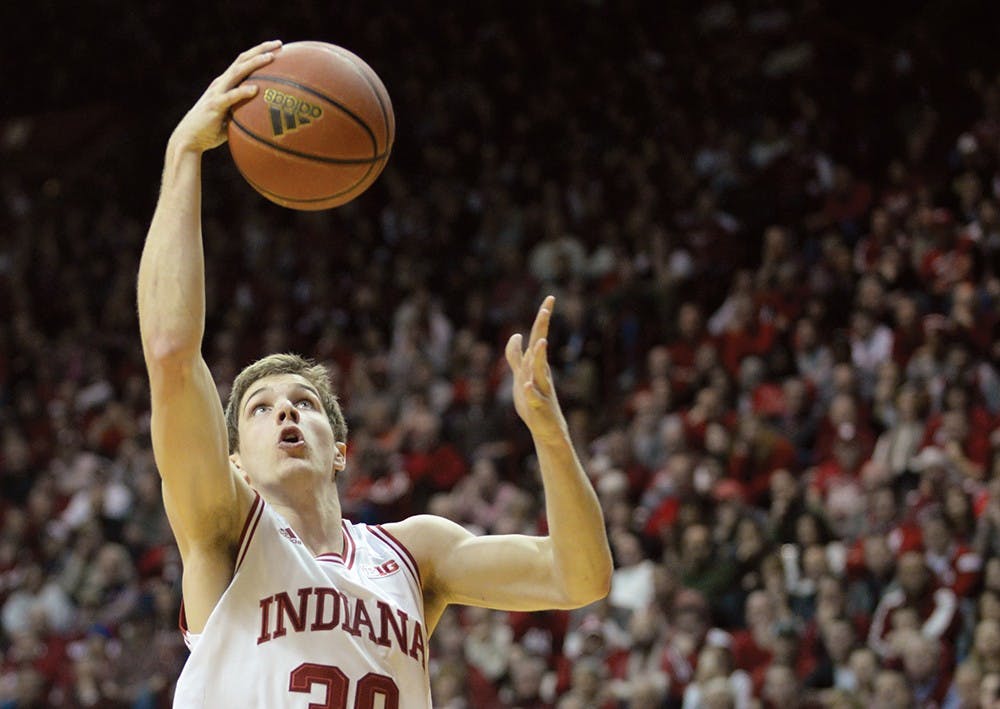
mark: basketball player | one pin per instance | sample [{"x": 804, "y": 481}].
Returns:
[{"x": 286, "y": 604}]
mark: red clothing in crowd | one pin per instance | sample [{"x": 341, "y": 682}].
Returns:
[
  {"x": 959, "y": 569},
  {"x": 942, "y": 267},
  {"x": 937, "y": 611},
  {"x": 736, "y": 344},
  {"x": 768, "y": 452},
  {"x": 441, "y": 467}
]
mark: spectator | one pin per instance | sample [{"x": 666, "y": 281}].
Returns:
[
  {"x": 632, "y": 580},
  {"x": 955, "y": 565},
  {"x": 935, "y": 608},
  {"x": 896, "y": 446},
  {"x": 643, "y": 671},
  {"x": 782, "y": 689},
  {"x": 37, "y": 600},
  {"x": 892, "y": 691},
  {"x": 923, "y": 666},
  {"x": 717, "y": 680},
  {"x": 526, "y": 686},
  {"x": 700, "y": 567},
  {"x": 964, "y": 690},
  {"x": 753, "y": 647},
  {"x": 863, "y": 666},
  {"x": 985, "y": 653}
]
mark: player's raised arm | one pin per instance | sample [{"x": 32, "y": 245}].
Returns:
[
  {"x": 205, "y": 501},
  {"x": 570, "y": 567}
]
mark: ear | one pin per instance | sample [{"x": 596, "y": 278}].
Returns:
[
  {"x": 340, "y": 457},
  {"x": 234, "y": 458}
]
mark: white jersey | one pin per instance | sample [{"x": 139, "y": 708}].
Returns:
[{"x": 338, "y": 631}]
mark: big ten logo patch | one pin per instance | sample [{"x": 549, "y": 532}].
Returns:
[
  {"x": 386, "y": 568},
  {"x": 289, "y": 112}
]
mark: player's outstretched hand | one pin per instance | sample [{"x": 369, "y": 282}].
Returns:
[
  {"x": 204, "y": 126},
  {"x": 534, "y": 394}
]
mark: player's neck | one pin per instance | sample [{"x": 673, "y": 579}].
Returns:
[{"x": 316, "y": 520}]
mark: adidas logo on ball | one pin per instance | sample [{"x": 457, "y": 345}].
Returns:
[{"x": 289, "y": 112}]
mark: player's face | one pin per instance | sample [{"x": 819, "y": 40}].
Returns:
[{"x": 285, "y": 431}]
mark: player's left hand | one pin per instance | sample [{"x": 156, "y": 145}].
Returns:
[{"x": 534, "y": 394}]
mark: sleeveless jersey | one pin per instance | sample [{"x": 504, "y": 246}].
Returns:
[{"x": 337, "y": 631}]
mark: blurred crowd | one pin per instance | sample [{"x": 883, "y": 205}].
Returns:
[{"x": 775, "y": 248}]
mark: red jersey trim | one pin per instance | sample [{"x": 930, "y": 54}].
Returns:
[
  {"x": 350, "y": 550},
  {"x": 407, "y": 557},
  {"x": 246, "y": 536}
]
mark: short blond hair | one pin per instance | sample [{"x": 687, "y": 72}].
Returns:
[{"x": 316, "y": 374}]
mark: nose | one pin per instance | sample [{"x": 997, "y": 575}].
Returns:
[{"x": 287, "y": 411}]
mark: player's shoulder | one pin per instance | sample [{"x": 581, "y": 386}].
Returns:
[
  {"x": 426, "y": 536},
  {"x": 415, "y": 527}
]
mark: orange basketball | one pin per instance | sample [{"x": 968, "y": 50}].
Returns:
[{"x": 319, "y": 130}]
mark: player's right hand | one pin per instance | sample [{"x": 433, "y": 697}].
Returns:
[{"x": 204, "y": 126}]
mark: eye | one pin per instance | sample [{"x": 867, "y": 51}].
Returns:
[
  {"x": 304, "y": 404},
  {"x": 258, "y": 409}
]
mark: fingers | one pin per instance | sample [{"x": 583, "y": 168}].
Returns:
[
  {"x": 513, "y": 352},
  {"x": 247, "y": 63},
  {"x": 259, "y": 49},
  {"x": 540, "y": 367},
  {"x": 235, "y": 96},
  {"x": 540, "y": 328},
  {"x": 531, "y": 366},
  {"x": 537, "y": 341}
]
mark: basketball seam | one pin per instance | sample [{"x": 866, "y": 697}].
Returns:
[
  {"x": 378, "y": 97},
  {"x": 311, "y": 200},
  {"x": 309, "y": 90},
  {"x": 306, "y": 156}
]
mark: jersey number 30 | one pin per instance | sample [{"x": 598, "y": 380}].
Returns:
[{"x": 337, "y": 685}]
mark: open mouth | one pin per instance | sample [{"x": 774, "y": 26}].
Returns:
[{"x": 291, "y": 436}]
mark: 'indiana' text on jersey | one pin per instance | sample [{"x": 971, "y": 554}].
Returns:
[
  {"x": 327, "y": 609},
  {"x": 293, "y": 630}
]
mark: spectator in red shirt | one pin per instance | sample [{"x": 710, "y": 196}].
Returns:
[
  {"x": 936, "y": 607},
  {"x": 433, "y": 465},
  {"x": 844, "y": 421},
  {"x": 709, "y": 407},
  {"x": 799, "y": 418},
  {"x": 908, "y": 330},
  {"x": 753, "y": 646},
  {"x": 691, "y": 334},
  {"x": 758, "y": 451},
  {"x": 841, "y": 468},
  {"x": 955, "y": 565},
  {"x": 949, "y": 260},
  {"x": 745, "y": 334},
  {"x": 882, "y": 233}
]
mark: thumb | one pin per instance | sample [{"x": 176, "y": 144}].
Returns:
[{"x": 513, "y": 352}]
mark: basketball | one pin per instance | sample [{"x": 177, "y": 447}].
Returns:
[{"x": 318, "y": 131}]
